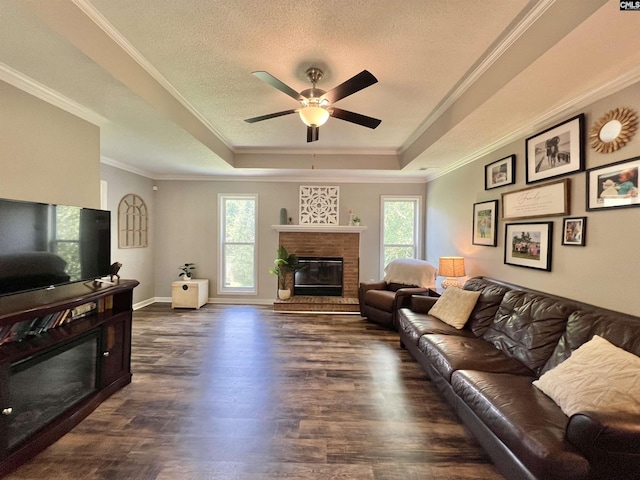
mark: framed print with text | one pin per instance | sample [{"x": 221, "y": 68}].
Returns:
[{"x": 548, "y": 200}]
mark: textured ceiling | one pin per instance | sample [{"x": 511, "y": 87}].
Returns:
[{"x": 169, "y": 82}]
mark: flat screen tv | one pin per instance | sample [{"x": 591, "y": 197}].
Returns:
[{"x": 45, "y": 245}]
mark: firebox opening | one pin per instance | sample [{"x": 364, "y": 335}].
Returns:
[{"x": 321, "y": 276}]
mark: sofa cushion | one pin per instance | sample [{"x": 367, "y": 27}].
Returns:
[
  {"x": 597, "y": 377},
  {"x": 455, "y": 306},
  {"x": 448, "y": 353},
  {"x": 380, "y": 299},
  {"x": 415, "y": 325},
  {"x": 410, "y": 271},
  {"x": 618, "y": 328},
  {"x": 527, "y": 327},
  {"x": 528, "y": 422},
  {"x": 491, "y": 295}
]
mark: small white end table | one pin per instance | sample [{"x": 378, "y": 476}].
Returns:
[{"x": 189, "y": 294}]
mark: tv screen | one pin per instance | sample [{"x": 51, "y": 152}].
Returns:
[{"x": 43, "y": 245}]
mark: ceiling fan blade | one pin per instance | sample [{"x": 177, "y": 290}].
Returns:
[
  {"x": 357, "y": 118},
  {"x": 274, "y": 82},
  {"x": 267, "y": 117},
  {"x": 356, "y": 83},
  {"x": 313, "y": 133}
]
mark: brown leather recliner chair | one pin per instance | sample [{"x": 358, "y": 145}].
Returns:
[{"x": 381, "y": 300}]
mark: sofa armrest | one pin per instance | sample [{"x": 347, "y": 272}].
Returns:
[
  {"x": 605, "y": 432},
  {"x": 610, "y": 441},
  {"x": 422, "y": 303},
  {"x": 403, "y": 296},
  {"x": 366, "y": 286},
  {"x": 377, "y": 285}
]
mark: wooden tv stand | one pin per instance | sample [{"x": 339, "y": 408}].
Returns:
[{"x": 74, "y": 339}]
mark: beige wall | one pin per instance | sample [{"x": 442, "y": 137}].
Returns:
[
  {"x": 187, "y": 226},
  {"x": 137, "y": 263},
  {"x": 46, "y": 154},
  {"x": 605, "y": 272},
  {"x": 52, "y": 156}
]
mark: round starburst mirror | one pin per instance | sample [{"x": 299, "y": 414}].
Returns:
[{"x": 613, "y": 130}]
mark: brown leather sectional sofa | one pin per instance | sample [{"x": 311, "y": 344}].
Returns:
[{"x": 486, "y": 370}]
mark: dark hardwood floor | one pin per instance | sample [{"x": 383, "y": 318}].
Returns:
[{"x": 241, "y": 392}]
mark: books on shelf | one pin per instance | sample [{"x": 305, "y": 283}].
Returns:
[
  {"x": 17, "y": 331},
  {"x": 20, "y": 330},
  {"x": 105, "y": 303},
  {"x": 83, "y": 310}
]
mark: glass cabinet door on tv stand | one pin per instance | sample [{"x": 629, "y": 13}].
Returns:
[{"x": 62, "y": 352}]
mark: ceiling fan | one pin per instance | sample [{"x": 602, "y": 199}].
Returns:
[{"x": 316, "y": 105}]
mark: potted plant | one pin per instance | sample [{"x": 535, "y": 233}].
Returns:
[
  {"x": 283, "y": 264},
  {"x": 356, "y": 221},
  {"x": 186, "y": 270}
]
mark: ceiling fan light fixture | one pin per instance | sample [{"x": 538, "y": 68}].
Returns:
[{"x": 313, "y": 115}]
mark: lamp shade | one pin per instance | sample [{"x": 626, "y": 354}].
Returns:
[
  {"x": 451, "y": 267},
  {"x": 314, "y": 115}
]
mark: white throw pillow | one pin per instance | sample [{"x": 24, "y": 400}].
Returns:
[
  {"x": 454, "y": 306},
  {"x": 598, "y": 376}
]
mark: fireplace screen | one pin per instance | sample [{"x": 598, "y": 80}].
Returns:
[
  {"x": 321, "y": 276},
  {"x": 43, "y": 386}
]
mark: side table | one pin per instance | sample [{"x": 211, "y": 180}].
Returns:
[{"x": 189, "y": 294}]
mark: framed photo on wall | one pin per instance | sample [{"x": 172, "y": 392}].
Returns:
[
  {"x": 485, "y": 223},
  {"x": 574, "y": 230},
  {"x": 528, "y": 245},
  {"x": 500, "y": 173},
  {"x": 614, "y": 185},
  {"x": 557, "y": 151}
]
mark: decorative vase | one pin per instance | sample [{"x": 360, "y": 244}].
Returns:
[
  {"x": 284, "y": 294},
  {"x": 283, "y": 216},
  {"x": 186, "y": 277},
  {"x": 356, "y": 224}
]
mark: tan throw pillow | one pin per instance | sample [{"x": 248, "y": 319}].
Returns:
[
  {"x": 598, "y": 376},
  {"x": 454, "y": 306}
]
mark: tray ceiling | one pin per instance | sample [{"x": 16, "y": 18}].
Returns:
[{"x": 169, "y": 82}]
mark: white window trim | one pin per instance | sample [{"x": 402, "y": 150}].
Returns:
[
  {"x": 417, "y": 224},
  {"x": 221, "y": 289}
]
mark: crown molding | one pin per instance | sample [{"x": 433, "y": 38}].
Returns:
[
  {"x": 468, "y": 80},
  {"x": 295, "y": 179},
  {"x": 548, "y": 118},
  {"x": 97, "y": 18},
  {"x": 258, "y": 177},
  {"x": 29, "y": 85},
  {"x": 126, "y": 167},
  {"x": 316, "y": 153}
]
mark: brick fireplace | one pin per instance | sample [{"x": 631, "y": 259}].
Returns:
[{"x": 324, "y": 241}]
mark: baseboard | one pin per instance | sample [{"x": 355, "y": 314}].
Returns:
[
  {"x": 227, "y": 301},
  {"x": 144, "y": 303}
]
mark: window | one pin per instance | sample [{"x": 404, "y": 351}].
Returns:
[
  {"x": 400, "y": 226},
  {"x": 66, "y": 238},
  {"x": 238, "y": 220}
]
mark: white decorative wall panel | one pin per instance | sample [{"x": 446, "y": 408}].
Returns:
[{"x": 319, "y": 205}]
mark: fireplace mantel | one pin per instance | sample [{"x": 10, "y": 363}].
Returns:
[{"x": 319, "y": 228}]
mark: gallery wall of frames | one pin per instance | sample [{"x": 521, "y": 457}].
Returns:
[{"x": 551, "y": 156}]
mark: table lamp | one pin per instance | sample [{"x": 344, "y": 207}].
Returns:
[{"x": 451, "y": 267}]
